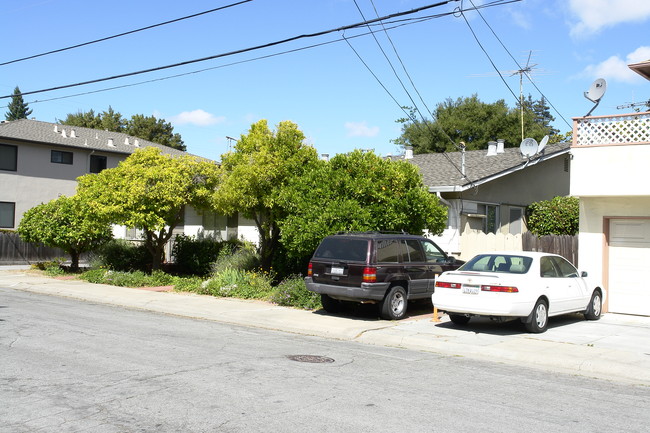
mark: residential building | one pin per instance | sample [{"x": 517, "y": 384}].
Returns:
[
  {"x": 40, "y": 161},
  {"x": 489, "y": 191},
  {"x": 610, "y": 155}
]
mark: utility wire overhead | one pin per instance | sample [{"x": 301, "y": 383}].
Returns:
[
  {"x": 396, "y": 24},
  {"x": 243, "y": 50},
  {"x": 125, "y": 33}
]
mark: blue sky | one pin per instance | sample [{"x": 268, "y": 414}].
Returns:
[{"x": 326, "y": 90}]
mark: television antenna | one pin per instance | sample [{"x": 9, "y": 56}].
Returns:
[
  {"x": 595, "y": 93},
  {"x": 633, "y": 104},
  {"x": 527, "y": 71}
]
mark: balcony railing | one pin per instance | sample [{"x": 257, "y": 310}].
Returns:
[{"x": 615, "y": 129}]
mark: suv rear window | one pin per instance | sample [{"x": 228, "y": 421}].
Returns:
[{"x": 354, "y": 250}]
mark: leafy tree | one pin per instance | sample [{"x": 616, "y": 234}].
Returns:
[
  {"x": 147, "y": 128},
  {"x": 18, "y": 108},
  {"x": 67, "y": 223},
  {"x": 148, "y": 191},
  {"x": 559, "y": 216},
  {"x": 358, "y": 191},
  {"x": 254, "y": 178},
  {"x": 475, "y": 123},
  {"x": 156, "y": 130}
]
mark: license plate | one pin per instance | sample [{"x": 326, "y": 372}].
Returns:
[
  {"x": 336, "y": 270},
  {"x": 471, "y": 290}
]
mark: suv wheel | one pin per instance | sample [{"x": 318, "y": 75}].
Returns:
[
  {"x": 330, "y": 305},
  {"x": 393, "y": 307}
]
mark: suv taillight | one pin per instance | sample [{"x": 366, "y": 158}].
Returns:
[
  {"x": 369, "y": 274},
  {"x": 310, "y": 270}
]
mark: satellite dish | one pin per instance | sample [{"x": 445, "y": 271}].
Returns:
[
  {"x": 528, "y": 147},
  {"x": 596, "y": 92},
  {"x": 542, "y": 144}
]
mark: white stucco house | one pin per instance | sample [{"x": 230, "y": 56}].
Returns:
[
  {"x": 40, "y": 161},
  {"x": 611, "y": 156},
  {"x": 488, "y": 190}
]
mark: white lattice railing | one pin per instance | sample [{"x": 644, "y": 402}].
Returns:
[{"x": 616, "y": 129}]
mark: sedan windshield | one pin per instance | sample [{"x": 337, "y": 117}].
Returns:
[{"x": 498, "y": 263}]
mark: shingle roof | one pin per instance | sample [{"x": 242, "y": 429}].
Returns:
[
  {"x": 84, "y": 138},
  {"x": 443, "y": 170}
]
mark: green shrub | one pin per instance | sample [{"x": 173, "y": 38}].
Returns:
[
  {"x": 95, "y": 276},
  {"x": 243, "y": 257},
  {"x": 195, "y": 255},
  {"x": 122, "y": 255},
  {"x": 51, "y": 267},
  {"x": 559, "y": 216},
  {"x": 235, "y": 283},
  {"x": 292, "y": 292}
]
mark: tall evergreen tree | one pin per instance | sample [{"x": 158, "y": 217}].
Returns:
[{"x": 18, "y": 109}]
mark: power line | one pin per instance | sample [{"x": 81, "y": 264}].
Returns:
[
  {"x": 125, "y": 33},
  {"x": 243, "y": 50},
  {"x": 402, "y": 23}
]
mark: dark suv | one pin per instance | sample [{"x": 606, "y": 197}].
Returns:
[{"x": 372, "y": 267}]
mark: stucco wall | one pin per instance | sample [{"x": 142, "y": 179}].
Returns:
[
  {"x": 610, "y": 170},
  {"x": 38, "y": 180}
]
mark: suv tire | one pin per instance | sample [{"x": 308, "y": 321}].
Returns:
[
  {"x": 393, "y": 306},
  {"x": 330, "y": 304}
]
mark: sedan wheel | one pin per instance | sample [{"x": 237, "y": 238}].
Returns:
[
  {"x": 594, "y": 309},
  {"x": 538, "y": 319}
]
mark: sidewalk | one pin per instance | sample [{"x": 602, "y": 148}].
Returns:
[{"x": 617, "y": 347}]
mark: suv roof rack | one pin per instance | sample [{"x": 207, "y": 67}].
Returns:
[{"x": 374, "y": 232}]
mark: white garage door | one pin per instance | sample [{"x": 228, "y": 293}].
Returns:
[{"x": 629, "y": 265}]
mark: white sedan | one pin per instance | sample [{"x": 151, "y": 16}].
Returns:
[{"x": 519, "y": 284}]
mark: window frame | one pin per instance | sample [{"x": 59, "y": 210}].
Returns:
[
  {"x": 62, "y": 160},
  {"x": 15, "y": 158},
  {"x": 97, "y": 158},
  {"x": 13, "y": 215}
]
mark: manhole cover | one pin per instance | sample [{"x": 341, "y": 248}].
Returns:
[{"x": 314, "y": 359}]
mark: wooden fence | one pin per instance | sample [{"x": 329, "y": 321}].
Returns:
[
  {"x": 13, "y": 251},
  {"x": 473, "y": 243}
]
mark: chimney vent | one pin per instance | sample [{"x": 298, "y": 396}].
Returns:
[
  {"x": 63, "y": 134},
  {"x": 73, "y": 134},
  {"x": 126, "y": 141},
  {"x": 136, "y": 143},
  {"x": 325, "y": 156},
  {"x": 56, "y": 128},
  {"x": 500, "y": 145},
  {"x": 492, "y": 148},
  {"x": 110, "y": 142},
  {"x": 408, "y": 152}
]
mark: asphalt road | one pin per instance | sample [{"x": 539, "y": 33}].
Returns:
[{"x": 70, "y": 366}]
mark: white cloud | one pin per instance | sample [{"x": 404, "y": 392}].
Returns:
[
  {"x": 616, "y": 69},
  {"x": 361, "y": 129},
  {"x": 594, "y": 15},
  {"x": 197, "y": 117}
]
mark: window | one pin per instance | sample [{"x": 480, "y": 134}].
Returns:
[
  {"x": 97, "y": 163},
  {"x": 388, "y": 251},
  {"x": 61, "y": 157},
  {"x": 413, "y": 251},
  {"x": 7, "y": 211},
  {"x": 432, "y": 253},
  {"x": 515, "y": 220},
  {"x": 547, "y": 268},
  {"x": 8, "y": 157},
  {"x": 491, "y": 222},
  {"x": 567, "y": 270}
]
